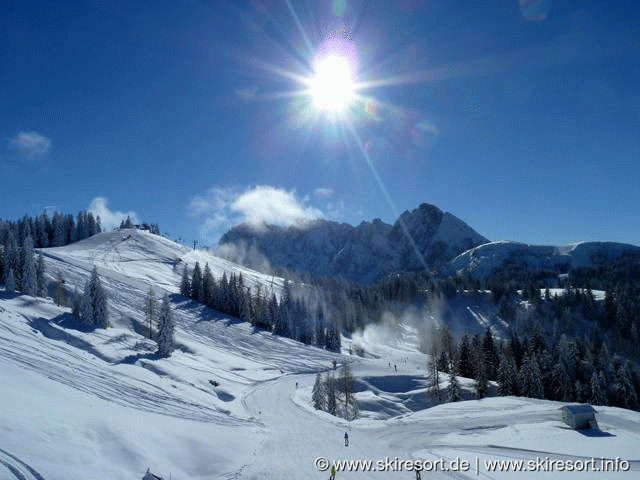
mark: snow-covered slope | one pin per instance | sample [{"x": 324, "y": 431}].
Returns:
[
  {"x": 232, "y": 402},
  {"x": 485, "y": 260}
]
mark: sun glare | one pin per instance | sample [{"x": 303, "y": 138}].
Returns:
[{"x": 332, "y": 88}]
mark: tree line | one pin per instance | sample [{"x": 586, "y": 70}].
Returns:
[
  {"x": 296, "y": 317},
  {"x": 563, "y": 368}
]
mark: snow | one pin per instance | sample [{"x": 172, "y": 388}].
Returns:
[
  {"x": 233, "y": 402},
  {"x": 483, "y": 260}
]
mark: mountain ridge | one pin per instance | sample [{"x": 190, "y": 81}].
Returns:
[{"x": 363, "y": 254}]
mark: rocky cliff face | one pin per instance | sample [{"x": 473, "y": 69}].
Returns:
[{"x": 363, "y": 254}]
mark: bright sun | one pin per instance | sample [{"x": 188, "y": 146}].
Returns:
[{"x": 332, "y": 88}]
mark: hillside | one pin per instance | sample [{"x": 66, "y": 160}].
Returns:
[
  {"x": 233, "y": 401},
  {"x": 504, "y": 258}
]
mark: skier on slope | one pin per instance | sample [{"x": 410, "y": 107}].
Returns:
[
  {"x": 333, "y": 473},
  {"x": 346, "y": 439}
]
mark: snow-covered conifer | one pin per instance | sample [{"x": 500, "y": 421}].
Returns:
[
  {"x": 626, "y": 396},
  {"x": 92, "y": 228},
  {"x": 531, "y": 378},
  {"x": 197, "y": 290},
  {"x": 86, "y": 309},
  {"x": 318, "y": 396},
  {"x": 330, "y": 388},
  {"x": 166, "y": 343},
  {"x": 58, "y": 230},
  {"x": 454, "y": 392},
  {"x": 507, "y": 377},
  {"x": 76, "y": 304},
  {"x": 41, "y": 282},
  {"x": 29, "y": 280},
  {"x": 150, "y": 310},
  {"x": 98, "y": 300},
  {"x": 207, "y": 285},
  {"x": 185, "y": 283},
  {"x": 598, "y": 394},
  {"x": 10, "y": 282}
]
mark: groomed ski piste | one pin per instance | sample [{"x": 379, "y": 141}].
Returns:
[{"x": 233, "y": 402}]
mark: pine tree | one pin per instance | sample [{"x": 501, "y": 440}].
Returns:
[
  {"x": 626, "y": 396},
  {"x": 563, "y": 386},
  {"x": 318, "y": 395},
  {"x": 86, "y": 308},
  {"x": 333, "y": 341},
  {"x": 69, "y": 229},
  {"x": 507, "y": 377},
  {"x": 92, "y": 227},
  {"x": 454, "y": 392},
  {"x": 207, "y": 285},
  {"x": 76, "y": 304},
  {"x": 81, "y": 226},
  {"x": 10, "y": 282},
  {"x": 598, "y": 395},
  {"x": 150, "y": 310},
  {"x": 197, "y": 291},
  {"x": 464, "y": 366},
  {"x": 12, "y": 261},
  {"x": 330, "y": 388},
  {"x": 41, "y": 282},
  {"x": 98, "y": 300},
  {"x": 491, "y": 358},
  {"x": 166, "y": 343},
  {"x": 185, "y": 283},
  {"x": 433, "y": 375},
  {"x": 58, "y": 230},
  {"x": 319, "y": 335},
  {"x": 29, "y": 280},
  {"x": 531, "y": 378}
]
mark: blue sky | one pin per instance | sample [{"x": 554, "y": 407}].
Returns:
[{"x": 521, "y": 117}]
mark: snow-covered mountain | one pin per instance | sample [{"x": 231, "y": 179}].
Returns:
[
  {"x": 233, "y": 402},
  {"x": 363, "y": 254},
  {"x": 495, "y": 257}
]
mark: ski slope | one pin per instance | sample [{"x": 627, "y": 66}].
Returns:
[{"x": 233, "y": 402}]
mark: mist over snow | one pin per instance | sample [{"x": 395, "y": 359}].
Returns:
[{"x": 109, "y": 219}]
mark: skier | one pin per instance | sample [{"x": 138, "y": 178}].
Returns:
[
  {"x": 346, "y": 439},
  {"x": 333, "y": 473},
  {"x": 418, "y": 476}
]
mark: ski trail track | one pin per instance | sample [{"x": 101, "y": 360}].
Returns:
[{"x": 19, "y": 469}]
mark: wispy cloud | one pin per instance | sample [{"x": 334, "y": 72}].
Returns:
[
  {"x": 30, "y": 145},
  {"x": 256, "y": 206},
  {"x": 323, "y": 192},
  {"x": 108, "y": 218}
]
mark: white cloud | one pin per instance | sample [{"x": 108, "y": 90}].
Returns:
[
  {"x": 256, "y": 206},
  {"x": 323, "y": 192},
  {"x": 273, "y": 206},
  {"x": 109, "y": 219},
  {"x": 31, "y": 145},
  {"x": 215, "y": 200}
]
